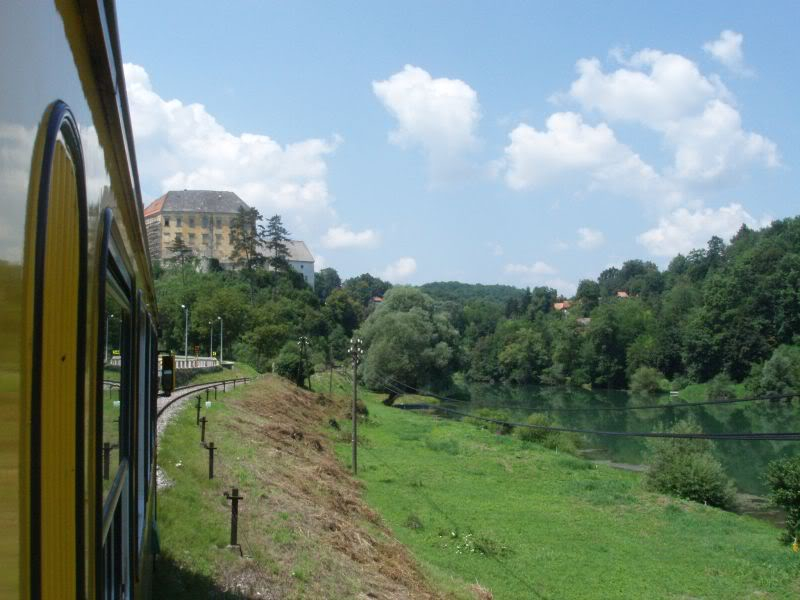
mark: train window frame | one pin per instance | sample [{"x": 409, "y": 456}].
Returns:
[{"x": 114, "y": 518}]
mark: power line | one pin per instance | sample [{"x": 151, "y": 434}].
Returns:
[
  {"x": 614, "y": 408},
  {"x": 778, "y": 437}
]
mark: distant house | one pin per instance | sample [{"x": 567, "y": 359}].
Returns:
[
  {"x": 621, "y": 294},
  {"x": 563, "y": 306},
  {"x": 301, "y": 260},
  {"x": 376, "y": 299}
]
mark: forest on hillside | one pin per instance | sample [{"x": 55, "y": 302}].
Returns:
[{"x": 729, "y": 312}]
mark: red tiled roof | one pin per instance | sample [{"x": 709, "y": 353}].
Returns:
[{"x": 155, "y": 206}]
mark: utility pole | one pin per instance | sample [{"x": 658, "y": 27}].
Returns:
[
  {"x": 303, "y": 343},
  {"x": 211, "y": 339},
  {"x": 220, "y": 339},
  {"x": 355, "y": 353},
  {"x": 185, "y": 332},
  {"x": 330, "y": 374}
]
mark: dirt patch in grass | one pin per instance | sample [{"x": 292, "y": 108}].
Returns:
[{"x": 304, "y": 529}]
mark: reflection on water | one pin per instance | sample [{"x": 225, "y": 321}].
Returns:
[{"x": 745, "y": 461}]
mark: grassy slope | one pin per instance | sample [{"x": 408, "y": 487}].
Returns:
[
  {"x": 554, "y": 526},
  {"x": 235, "y": 372},
  {"x": 304, "y": 529}
]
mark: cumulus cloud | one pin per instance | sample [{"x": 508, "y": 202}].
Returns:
[
  {"x": 590, "y": 238},
  {"x": 437, "y": 114},
  {"x": 695, "y": 114},
  {"x": 16, "y": 150},
  {"x": 562, "y": 286},
  {"x": 344, "y": 237},
  {"x": 727, "y": 49},
  {"x": 535, "y": 269},
  {"x": 684, "y": 229},
  {"x": 400, "y": 270},
  {"x": 183, "y": 146}
]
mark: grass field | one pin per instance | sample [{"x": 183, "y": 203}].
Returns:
[{"x": 526, "y": 522}]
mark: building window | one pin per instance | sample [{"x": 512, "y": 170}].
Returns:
[
  {"x": 177, "y": 222},
  {"x": 219, "y": 222},
  {"x": 166, "y": 221},
  {"x": 191, "y": 237},
  {"x": 219, "y": 239},
  {"x": 178, "y": 236},
  {"x": 191, "y": 221},
  {"x": 205, "y": 222},
  {"x": 230, "y": 239},
  {"x": 206, "y": 238}
]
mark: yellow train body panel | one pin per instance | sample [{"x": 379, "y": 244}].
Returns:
[{"x": 71, "y": 229}]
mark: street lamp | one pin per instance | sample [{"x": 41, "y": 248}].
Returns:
[
  {"x": 211, "y": 339},
  {"x": 185, "y": 331},
  {"x": 221, "y": 338},
  {"x": 108, "y": 318}
]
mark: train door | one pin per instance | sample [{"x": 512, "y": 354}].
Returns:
[{"x": 56, "y": 251}]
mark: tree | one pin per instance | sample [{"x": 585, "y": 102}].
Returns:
[
  {"x": 325, "y": 282},
  {"x": 783, "y": 477},
  {"x": 276, "y": 238},
  {"x": 365, "y": 287},
  {"x": 181, "y": 255},
  {"x": 248, "y": 238},
  {"x": 588, "y": 295}
]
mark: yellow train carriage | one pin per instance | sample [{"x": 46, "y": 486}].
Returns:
[{"x": 78, "y": 374}]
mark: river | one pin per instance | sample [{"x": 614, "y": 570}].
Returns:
[{"x": 745, "y": 461}]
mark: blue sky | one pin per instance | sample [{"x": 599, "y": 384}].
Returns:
[{"x": 522, "y": 143}]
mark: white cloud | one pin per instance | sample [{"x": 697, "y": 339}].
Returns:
[
  {"x": 684, "y": 230},
  {"x": 495, "y": 248},
  {"x": 183, "y": 146},
  {"x": 694, "y": 114},
  {"x": 655, "y": 89},
  {"x": 535, "y": 269},
  {"x": 344, "y": 237},
  {"x": 713, "y": 145},
  {"x": 562, "y": 286},
  {"x": 400, "y": 270},
  {"x": 567, "y": 145},
  {"x": 590, "y": 238},
  {"x": 727, "y": 49},
  {"x": 16, "y": 150},
  {"x": 440, "y": 115}
]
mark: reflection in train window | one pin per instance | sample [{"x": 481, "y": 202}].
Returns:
[{"x": 115, "y": 388}]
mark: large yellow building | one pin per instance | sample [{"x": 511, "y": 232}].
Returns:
[{"x": 202, "y": 218}]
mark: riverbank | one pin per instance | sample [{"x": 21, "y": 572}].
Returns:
[{"x": 526, "y": 522}]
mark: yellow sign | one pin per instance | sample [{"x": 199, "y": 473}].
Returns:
[
  {"x": 213, "y": 354},
  {"x": 115, "y": 352}
]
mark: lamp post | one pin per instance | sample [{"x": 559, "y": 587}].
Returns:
[
  {"x": 303, "y": 343},
  {"x": 221, "y": 338},
  {"x": 185, "y": 332},
  {"x": 211, "y": 339},
  {"x": 108, "y": 318}
]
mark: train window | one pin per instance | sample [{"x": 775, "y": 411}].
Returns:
[
  {"x": 115, "y": 389},
  {"x": 142, "y": 420}
]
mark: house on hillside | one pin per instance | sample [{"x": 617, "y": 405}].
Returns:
[
  {"x": 622, "y": 294},
  {"x": 562, "y": 306},
  {"x": 301, "y": 260}
]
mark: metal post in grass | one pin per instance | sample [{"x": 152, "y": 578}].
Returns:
[
  {"x": 215, "y": 393},
  {"x": 355, "y": 352},
  {"x": 202, "y": 429},
  {"x": 210, "y": 447},
  {"x": 198, "y": 410},
  {"x": 234, "y": 497}
]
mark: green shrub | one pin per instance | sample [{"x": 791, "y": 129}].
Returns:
[
  {"x": 679, "y": 383},
  {"x": 781, "y": 373},
  {"x": 646, "y": 380},
  {"x": 498, "y": 415},
  {"x": 554, "y": 440},
  {"x": 687, "y": 468},
  {"x": 291, "y": 365},
  {"x": 783, "y": 477},
  {"x": 721, "y": 388}
]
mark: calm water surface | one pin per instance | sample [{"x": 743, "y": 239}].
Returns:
[{"x": 745, "y": 461}]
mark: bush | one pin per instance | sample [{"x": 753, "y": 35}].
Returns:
[
  {"x": 554, "y": 440},
  {"x": 721, "y": 388},
  {"x": 646, "y": 380},
  {"x": 783, "y": 477},
  {"x": 781, "y": 373},
  {"x": 679, "y": 383},
  {"x": 688, "y": 469},
  {"x": 291, "y": 365},
  {"x": 498, "y": 415}
]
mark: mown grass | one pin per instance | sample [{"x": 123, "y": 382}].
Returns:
[{"x": 527, "y": 522}]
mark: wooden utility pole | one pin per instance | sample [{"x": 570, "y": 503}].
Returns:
[{"x": 355, "y": 352}]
